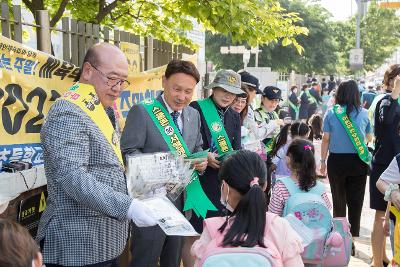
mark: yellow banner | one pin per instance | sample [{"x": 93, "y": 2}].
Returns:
[
  {"x": 30, "y": 82},
  {"x": 132, "y": 53}
]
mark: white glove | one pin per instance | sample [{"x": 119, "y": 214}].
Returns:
[{"x": 140, "y": 214}]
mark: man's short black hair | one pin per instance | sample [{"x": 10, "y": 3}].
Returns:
[{"x": 182, "y": 66}]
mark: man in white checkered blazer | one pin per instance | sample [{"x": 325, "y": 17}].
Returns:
[{"x": 88, "y": 209}]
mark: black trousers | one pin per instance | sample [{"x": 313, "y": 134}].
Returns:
[
  {"x": 150, "y": 245},
  {"x": 110, "y": 263},
  {"x": 347, "y": 175}
]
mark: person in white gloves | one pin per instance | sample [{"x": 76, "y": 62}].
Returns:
[
  {"x": 150, "y": 246},
  {"x": 88, "y": 210}
]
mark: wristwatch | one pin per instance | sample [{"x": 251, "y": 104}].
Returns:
[
  {"x": 389, "y": 191},
  {"x": 322, "y": 161}
]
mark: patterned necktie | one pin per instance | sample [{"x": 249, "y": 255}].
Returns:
[
  {"x": 111, "y": 116},
  {"x": 175, "y": 115}
]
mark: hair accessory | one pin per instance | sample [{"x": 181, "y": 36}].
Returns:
[
  {"x": 254, "y": 181},
  {"x": 307, "y": 147}
]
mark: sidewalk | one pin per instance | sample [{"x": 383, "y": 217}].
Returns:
[{"x": 363, "y": 243}]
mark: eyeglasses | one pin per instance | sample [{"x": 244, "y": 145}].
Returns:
[
  {"x": 112, "y": 82},
  {"x": 240, "y": 100}
]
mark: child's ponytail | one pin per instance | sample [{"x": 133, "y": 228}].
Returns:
[
  {"x": 246, "y": 173},
  {"x": 281, "y": 140},
  {"x": 302, "y": 163}
]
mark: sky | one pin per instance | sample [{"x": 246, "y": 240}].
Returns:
[{"x": 340, "y": 9}]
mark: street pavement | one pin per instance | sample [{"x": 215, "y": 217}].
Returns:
[{"x": 363, "y": 255}]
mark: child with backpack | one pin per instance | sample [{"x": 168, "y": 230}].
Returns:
[
  {"x": 288, "y": 133},
  {"x": 249, "y": 236},
  {"x": 301, "y": 162},
  {"x": 302, "y": 196}
]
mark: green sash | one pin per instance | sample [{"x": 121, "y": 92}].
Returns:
[
  {"x": 310, "y": 97},
  {"x": 216, "y": 127},
  {"x": 269, "y": 146},
  {"x": 295, "y": 108},
  {"x": 353, "y": 133},
  {"x": 196, "y": 199}
]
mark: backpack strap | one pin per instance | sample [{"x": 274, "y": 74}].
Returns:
[
  {"x": 318, "y": 189},
  {"x": 293, "y": 188},
  {"x": 290, "y": 185}
]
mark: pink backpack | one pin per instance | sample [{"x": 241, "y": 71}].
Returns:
[
  {"x": 338, "y": 244},
  {"x": 215, "y": 255}
]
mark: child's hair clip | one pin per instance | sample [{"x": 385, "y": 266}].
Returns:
[{"x": 307, "y": 147}]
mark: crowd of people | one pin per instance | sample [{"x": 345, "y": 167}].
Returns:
[{"x": 265, "y": 164}]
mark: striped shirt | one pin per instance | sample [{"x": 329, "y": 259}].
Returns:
[{"x": 280, "y": 195}]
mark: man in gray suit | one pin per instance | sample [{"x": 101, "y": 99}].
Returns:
[
  {"x": 142, "y": 136},
  {"x": 86, "y": 220}
]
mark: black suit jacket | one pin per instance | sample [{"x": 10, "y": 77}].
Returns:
[{"x": 209, "y": 180}]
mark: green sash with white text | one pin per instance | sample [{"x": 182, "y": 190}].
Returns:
[
  {"x": 353, "y": 133},
  {"x": 295, "y": 108},
  {"x": 216, "y": 127},
  {"x": 310, "y": 97},
  {"x": 196, "y": 199}
]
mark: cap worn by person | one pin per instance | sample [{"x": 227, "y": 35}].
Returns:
[
  {"x": 250, "y": 80},
  {"x": 228, "y": 80},
  {"x": 272, "y": 92}
]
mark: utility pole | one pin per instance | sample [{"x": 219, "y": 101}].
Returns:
[
  {"x": 359, "y": 8},
  {"x": 356, "y": 57}
]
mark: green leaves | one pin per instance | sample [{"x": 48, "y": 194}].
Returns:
[
  {"x": 286, "y": 41},
  {"x": 253, "y": 21},
  {"x": 311, "y": 50}
]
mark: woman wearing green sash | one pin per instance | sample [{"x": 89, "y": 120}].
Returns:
[
  {"x": 293, "y": 103},
  {"x": 218, "y": 120},
  {"x": 346, "y": 131}
]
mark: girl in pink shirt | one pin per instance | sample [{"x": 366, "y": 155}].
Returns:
[
  {"x": 301, "y": 162},
  {"x": 243, "y": 175}
]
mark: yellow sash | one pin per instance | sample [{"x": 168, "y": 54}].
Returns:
[
  {"x": 396, "y": 256},
  {"x": 85, "y": 97}
]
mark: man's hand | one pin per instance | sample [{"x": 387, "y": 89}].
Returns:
[
  {"x": 140, "y": 214},
  {"x": 212, "y": 162},
  {"x": 201, "y": 166}
]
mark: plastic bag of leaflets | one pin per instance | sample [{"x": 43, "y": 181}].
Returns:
[{"x": 157, "y": 179}]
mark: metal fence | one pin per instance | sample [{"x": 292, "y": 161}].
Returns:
[{"x": 78, "y": 36}]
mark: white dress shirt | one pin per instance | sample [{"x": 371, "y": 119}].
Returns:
[{"x": 170, "y": 110}]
